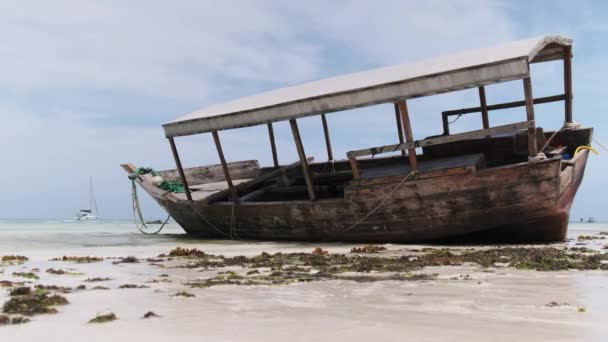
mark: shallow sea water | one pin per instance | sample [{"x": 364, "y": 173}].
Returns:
[{"x": 504, "y": 305}]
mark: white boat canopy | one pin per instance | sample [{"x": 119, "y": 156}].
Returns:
[{"x": 463, "y": 70}]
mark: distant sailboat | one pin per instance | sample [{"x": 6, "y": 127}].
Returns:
[{"x": 89, "y": 214}]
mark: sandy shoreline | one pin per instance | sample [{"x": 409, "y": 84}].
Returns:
[{"x": 460, "y": 302}]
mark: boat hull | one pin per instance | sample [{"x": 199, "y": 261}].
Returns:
[{"x": 526, "y": 202}]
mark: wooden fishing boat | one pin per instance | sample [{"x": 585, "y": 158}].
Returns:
[{"x": 513, "y": 182}]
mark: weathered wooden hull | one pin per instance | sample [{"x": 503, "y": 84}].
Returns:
[{"x": 521, "y": 202}]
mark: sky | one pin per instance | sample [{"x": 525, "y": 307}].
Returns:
[{"x": 86, "y": 85}]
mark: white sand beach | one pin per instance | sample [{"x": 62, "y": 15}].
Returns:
[{"x": 461, "y": 303}]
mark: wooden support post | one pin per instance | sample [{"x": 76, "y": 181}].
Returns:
[
  {"x": 354, "y": 167},
  {"x": 568, "y": 83},
  {"x": 405, "y": 119},
  {"x": 399, "y": 127},
  {"x": 330, "y": 155},
  {"x": 446, "y": 123},
  {"x": 178, "y": 163},
  {"x": 234, "y": 196},
  {"x": 275, "y": 158},
  {"x": 532, "y": 145},
  {"x": 484, "y": 107},
  {"x": 305, "y": 168}
]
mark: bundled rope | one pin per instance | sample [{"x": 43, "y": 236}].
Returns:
[
  {"x": 170, "y": 186},
  {"x": 137, "y": 214}
]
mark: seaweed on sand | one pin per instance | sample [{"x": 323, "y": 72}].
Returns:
[
  {"x": 288, "y": 268},
  {"x": 32, "y": 303},
  {"x": 20, "y": 291},
  {"x": 183, "y": 294},
  {"x": 96, "y": 279},
  {"x": 150, "y": 314},
  {"x": 28, "y": 275},
  {"x": 5, "y": 319},
  {"x": 132, "y": 286},
  {"x": 19, "y": 320},
  {"x": 14, "y": 259},
  {"x": 368, "y": 249},
  {"x": 53, "y": 288},
  {"x": 8, "y": 283},
  {"x": 320, "y": 251},
  {"x": 79, "y": 259},
  {"x": 127, "y": 260},
  {"x": 589, "y": 237},
  {"x": 185, "y": 252},
  {"x": 104, "y": 318},
  {"x": 100, "y": 288},
  {"x": 60, "y": 272}
]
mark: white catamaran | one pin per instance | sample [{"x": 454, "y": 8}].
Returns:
[{"x": 89, "y": 214}]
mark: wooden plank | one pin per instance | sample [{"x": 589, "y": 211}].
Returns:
[
  {"x": 216, "y": 186},
  {"x": 243, "y": 187},
  {"x": 399, "y": 127},
  {"x": 568, "y": 83},
  {"x": 484, "y": 107},
  {"x": 440, "y": 140},
  {"x": 409, "y": 137},
  {"x": 565, "y": 179},
  {"x": 305, "y": 168},
  {"x": 354, "y": 167},
  {"x": 532, "y": 144},
  {"x": 246, "y": 169},
  {"x": 178, "y": 163},
  {"x": 218, "y": 146},
  {"x": 330, "y": 155},
  {"x": 273, "y": 146},
  {"x": 507, "y": 105}
]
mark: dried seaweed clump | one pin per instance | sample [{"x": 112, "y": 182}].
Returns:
[
  {"x": 590, "y": 237},
  {"x": 79, "y": 259},
  {"x": 20, "y": 291},
  {"x": 53, "y": 288},
  {"x": 150, "y": 314},
  {"x": 60, "y": 272},
  {"x": 185, "y": 252},
  {"x": 368, "y": 249},
  {"x": 319, "y": 251},
  {"x": 27, "y": 302},
  {"x": 132, "y": 286},
  {"x": 104, "y": 318},
  {"x": 28, "y": 275},
  {"x": 286, "y": 268},
  {"x": 126, "y": 260},
  {"x": 5, "y": 319},
  {"x": 14, "y": 259},
  {"x": 96, "y": 279},
  {"x": 183, "y": 294}
]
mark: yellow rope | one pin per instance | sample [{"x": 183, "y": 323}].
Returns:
[{"x": 585, "y": 148}]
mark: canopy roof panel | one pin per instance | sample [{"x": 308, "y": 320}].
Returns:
[{"x": 462, "y": 70}]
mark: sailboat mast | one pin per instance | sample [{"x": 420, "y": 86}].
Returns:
[
  {"x": 92, "y": 200},
  {"x": 91, "y": 193}
]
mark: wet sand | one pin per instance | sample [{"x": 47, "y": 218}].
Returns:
[{"x": 461, "y": 303}]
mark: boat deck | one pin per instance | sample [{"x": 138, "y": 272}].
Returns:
[{"x": 403, "y": 168}]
